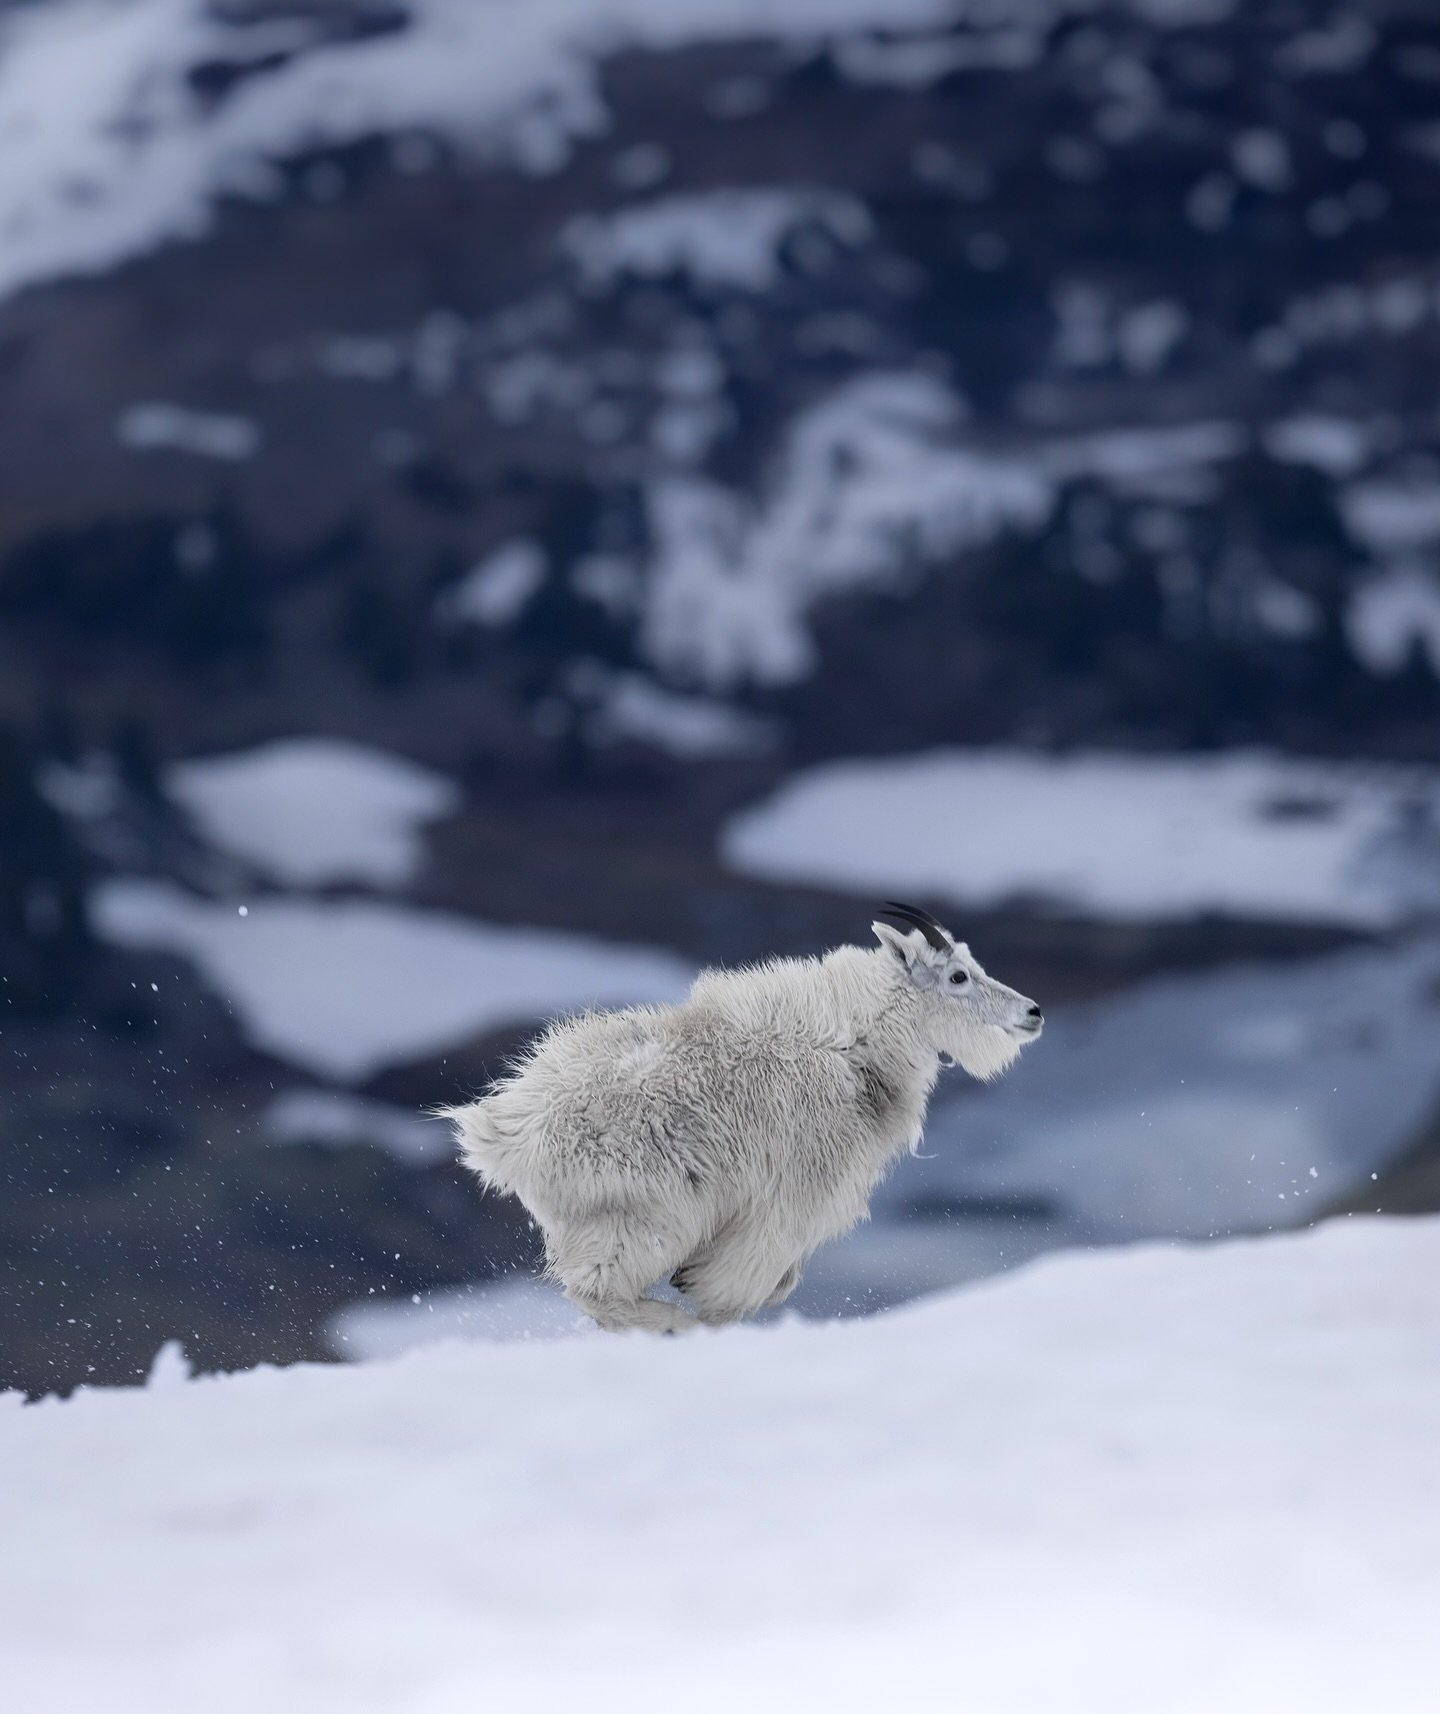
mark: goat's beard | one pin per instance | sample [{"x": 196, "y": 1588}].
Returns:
[{"x": 987, "y": 1053}]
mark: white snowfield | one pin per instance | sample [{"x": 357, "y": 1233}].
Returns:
[
  {"x": 305, "y": 811},
  {"x": 1248, "y": 833},
  {"x": 1159, "y": 1480}
]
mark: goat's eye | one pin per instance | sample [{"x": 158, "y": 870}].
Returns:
[{"x": 958, "y": 978}]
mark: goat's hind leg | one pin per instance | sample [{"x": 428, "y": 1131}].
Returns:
[
  {"x": 736, "y": 1274},
  {"x": 618, "y": 1315},
  {"x": 785, "y": 1285},
  {"x": 605, "y": 1267}
]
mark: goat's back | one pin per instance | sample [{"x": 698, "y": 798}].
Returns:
[{"x": 746, "y": 1078}]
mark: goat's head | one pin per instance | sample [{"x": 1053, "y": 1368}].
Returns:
[{"x": 964, "y": 1014}]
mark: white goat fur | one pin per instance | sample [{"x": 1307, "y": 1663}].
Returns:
[{"x": 719, "y": 1142}]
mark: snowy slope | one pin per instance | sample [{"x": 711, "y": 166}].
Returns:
[{"x": 1153, "y": 1480}]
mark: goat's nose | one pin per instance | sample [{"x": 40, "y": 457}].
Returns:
[{"x": 1036, "y": 1013}]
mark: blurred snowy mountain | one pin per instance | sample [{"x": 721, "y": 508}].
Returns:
[{"x": 1043, "y": 372}]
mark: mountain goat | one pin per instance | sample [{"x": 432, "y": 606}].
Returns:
[{"x": 717, "y": 1143}]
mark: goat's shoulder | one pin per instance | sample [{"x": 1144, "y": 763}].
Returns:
[{"x": 816, "y": 999}]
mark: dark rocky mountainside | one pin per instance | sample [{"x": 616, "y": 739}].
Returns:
[{"x": 1217, "y": 240}]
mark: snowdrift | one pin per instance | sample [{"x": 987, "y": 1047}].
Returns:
[{"x": 1155, "y": 1479}]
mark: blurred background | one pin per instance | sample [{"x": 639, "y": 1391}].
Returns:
[{"x": 501, "y": 506}]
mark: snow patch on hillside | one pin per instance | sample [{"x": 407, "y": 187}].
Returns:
[
  {"x": 1393, "y": 517},
  {"x": 160, "y": 427},
  {"x": 498, "y": 588},
  {"x": 342, "y": 1121},
  {"x": 1389, "y": 614},
  {"x": 345, "y": 989},
  {"x": 1147, "y": 1482},
  {"x": 305, "y": 811},
  {"x": 728, "y": 238},
  {"x": 1337, "y": 445},
  {"x": 113, "y": 148},
  {"x": 1129, "y": 837},
  {"x": 870, "y": 477},
  {"x": 627, "y": 707}
]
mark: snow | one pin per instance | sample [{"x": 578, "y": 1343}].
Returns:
[
  {"x": 1343, "y": 312},
  {"x": 1154, "y": 1481},
  {"x": 521, "y": 1307},
  {"x": 630, "y": 707},
  {"x": 1337, "y": 445},
  {"x": 1399, "y": 306},
  {"x": 89, "y": 789},
  {"x": 497, "y": 589},
  {"x": 871, "y": 476},
  {"x": 921, "y": 61},
  {"x": 1262, "y": 158},
  {"x": 716, "y": 238},
  {"x": 1112, "y": 835},
  {"x": 160, "y": 427},
  {"x": 121, "y": 154},
  {"x": 1390, "y": 517},
  {"x": 1342, "y": 46},
  {"x": 344, "y": 988},
  {"x": 1282, "y": 609},
  {"x": 307, "y": 811},
  {"x": 1149, "y": 333},
  {"x": 1392, "y": 612},
  {"x": 112, "y": 150},
  {"x": 345, "y": 1121},
  {"x": 1132, "y": 458}
]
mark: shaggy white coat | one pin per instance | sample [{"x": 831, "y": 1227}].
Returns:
[{"x": 719, "y": 1142}]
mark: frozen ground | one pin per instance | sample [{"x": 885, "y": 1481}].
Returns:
[
  {"x": 344, "y": 988},
  {"x": 1155, "y": 1480},
  {"x": 1245, "y": 833}
]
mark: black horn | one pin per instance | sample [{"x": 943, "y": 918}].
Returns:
[{"x": 922, "y": 920}]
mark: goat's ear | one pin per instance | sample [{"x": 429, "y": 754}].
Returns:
[{"x": 905, "y": 947}]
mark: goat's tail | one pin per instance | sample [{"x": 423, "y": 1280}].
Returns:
[{"x": 488, "y": 1146}]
